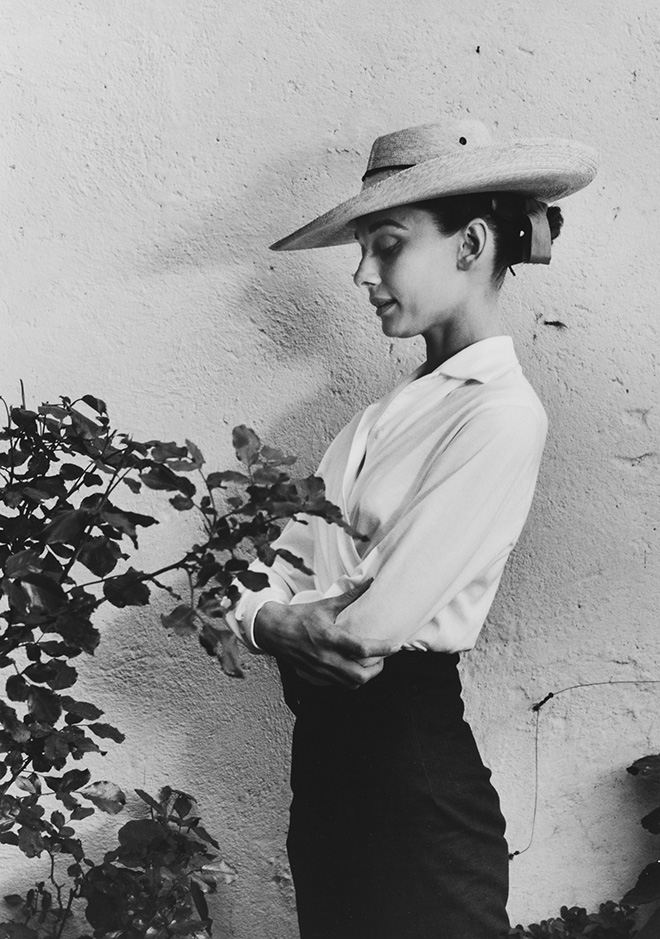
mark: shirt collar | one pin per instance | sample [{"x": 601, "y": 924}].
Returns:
[{"x": 482, "y": 361}]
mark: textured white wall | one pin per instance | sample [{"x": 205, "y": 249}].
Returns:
[{"x": 150, "y": 152}]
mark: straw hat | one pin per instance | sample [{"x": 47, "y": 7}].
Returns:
[{"x": 435, "y": 160}]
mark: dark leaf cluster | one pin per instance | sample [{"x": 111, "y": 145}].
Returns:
[
  {"x": 67, "y": 540},
  {"x": 612, "y": 921}
]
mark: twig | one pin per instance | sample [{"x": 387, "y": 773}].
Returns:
[{"x": 536, "y": 708}]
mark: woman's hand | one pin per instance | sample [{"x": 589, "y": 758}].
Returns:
[{"x": 305, "y": 635}]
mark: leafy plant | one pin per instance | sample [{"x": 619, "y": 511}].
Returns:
[
  {"x": 613, "y": 920},
  {"x": 65, "y": 551}
]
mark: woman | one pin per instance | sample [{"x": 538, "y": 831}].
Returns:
[{"x": 395, "y": 829}]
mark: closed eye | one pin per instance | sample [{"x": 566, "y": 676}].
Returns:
[{"x": 387, "y": 247}]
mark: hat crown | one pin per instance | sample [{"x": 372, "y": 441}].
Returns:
[
  {"x": 455, "y": 157},
  {"x": 415, "y": 145}
]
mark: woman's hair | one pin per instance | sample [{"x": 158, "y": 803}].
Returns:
[{"x": 503, "y": 212}]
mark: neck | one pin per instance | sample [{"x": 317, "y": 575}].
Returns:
[{"x": 446, "y": 339}]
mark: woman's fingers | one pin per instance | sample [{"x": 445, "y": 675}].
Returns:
[{"x": 305, "y": 635}]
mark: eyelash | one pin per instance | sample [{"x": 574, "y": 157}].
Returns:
[{"x": 387, "y": 251}]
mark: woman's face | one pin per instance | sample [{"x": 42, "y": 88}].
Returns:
[{"x": 410, "y": 270}]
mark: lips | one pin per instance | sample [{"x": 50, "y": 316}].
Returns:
[{"x": 384, "y": 305}]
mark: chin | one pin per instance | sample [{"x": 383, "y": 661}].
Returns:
[{"x": 395, "y": 330}]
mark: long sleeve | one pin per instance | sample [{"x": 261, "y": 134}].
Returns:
[
  {"x": 438, "y": 476},
  {"x": 285, "y": 580},
  {"x": 454, "y": 535}
]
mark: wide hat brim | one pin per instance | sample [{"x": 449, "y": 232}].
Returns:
[{"x": 543, "y": 169}]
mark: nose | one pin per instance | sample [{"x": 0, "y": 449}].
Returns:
[{"x": 366, "y": 274}]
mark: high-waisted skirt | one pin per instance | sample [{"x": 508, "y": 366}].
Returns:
[{"x": 395, "y": 829}]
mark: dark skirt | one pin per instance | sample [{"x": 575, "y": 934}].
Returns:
[{"x": 395, "y": 830}]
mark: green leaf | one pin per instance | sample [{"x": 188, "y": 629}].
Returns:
[
  {"x": 17, "y": 688},
  {"x": 69, "y": 782},
  {"x": 53, "y": 410},
  {"x": 253, "y": 580},
  {"x": 23, "y": 563},
  {"x": 56, "y": 674},
  {"x": 56, "y": 749},
  {"x": 648, "y": 767},
  {"x": 182, "y": 503},
  {"x": 246, "y": 444},
  {"x": 151, "y": 802},
  {"x": 203, "y": 834},
  {"x": 17, "y": 931},
  {"x": 37, "y": 593},
  {"x": 71, "y": 471},
  {"x": 107, "y": 731},
  {"x": 199, "y": 900},
  {"x": 44, "y": 488},
  {"x": 44, "y": 705},
  {"x": 266, "y": 554},
  {"x": 80, "y": 812},
  {"x": 223, "y": 644},
  {"x": 647, "y": 888},
  {"x": 210, "y": 604},
  {"x": 22, "y": 417},
  {"x": 127, "y": 590},
  {"x": 162, "y": 477},
  {"x": 30, "y": 842},
  {"x": 268, "y": 475},
  {"x": 12, "y": 460},
  {"x": 160, "y": 452},
  {"x": 66, "y": 527},
  {"x": 652, "y": 821},
  {"x": 219, "y": 480},
  {"x": 133, "y": 484},
  {"x": 126, "y": 522},
  {"x": 96, "y": 404},
  {"x": 195, "y": 453},
  {"x": 82, "y": 709},
  {"x": 181, "y": 620},
  {"x": 140, "y": 833},
  {"x": 8, "y": 837},
  {"x": 10, "y": 809},
  {"x": 84, "y": 427},
  {"x": 14, "y": 900},
  {"x": 56, "y": 648},
  {"x": 106, "y": 796},
  {"x": 29, "y": 784},
  {"x": 100, "y": 555},
  {"x": 277, "y": 457},
  {"x": 77, "y": 629}
]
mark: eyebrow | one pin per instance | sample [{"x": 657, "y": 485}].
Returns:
[{"x": 381, "y": 224}]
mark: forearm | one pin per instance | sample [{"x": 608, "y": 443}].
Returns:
[
  {"x": 270, "y": 628},
  {"x": 307, "y": 637}
]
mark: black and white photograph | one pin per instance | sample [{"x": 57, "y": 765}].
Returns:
[{"x": 329, "y": 469}]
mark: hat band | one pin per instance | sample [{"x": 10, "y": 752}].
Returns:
[{"x": 382, "y": 172}]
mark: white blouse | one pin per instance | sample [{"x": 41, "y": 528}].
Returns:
[{"x": 439, "y": 475}]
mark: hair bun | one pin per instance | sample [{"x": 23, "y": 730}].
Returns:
[{"x": 555, "y": 220}]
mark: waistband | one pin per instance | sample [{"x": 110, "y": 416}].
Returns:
[
  {"x": 439, "y": 665},
  {"x": 435, "y": 671}
]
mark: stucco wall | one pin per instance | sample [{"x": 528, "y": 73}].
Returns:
[{"x": 150, "y": 152}]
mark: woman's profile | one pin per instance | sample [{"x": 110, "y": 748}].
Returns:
[{"x": 395, "y": 829}]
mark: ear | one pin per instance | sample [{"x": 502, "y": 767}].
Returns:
[{"x": 475, "y": 238}]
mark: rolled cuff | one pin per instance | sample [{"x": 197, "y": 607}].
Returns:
[{"x": 241, "y": 619}]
